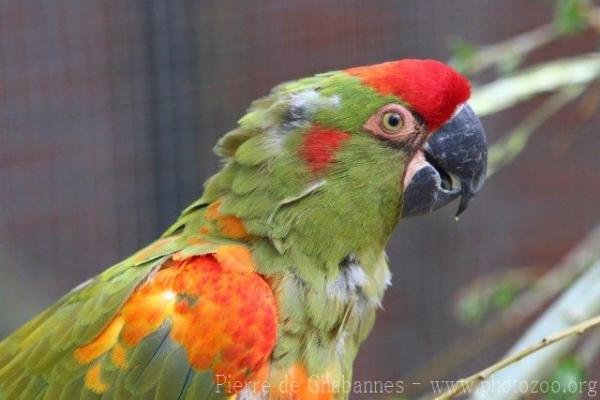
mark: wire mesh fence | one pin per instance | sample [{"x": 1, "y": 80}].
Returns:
[{"x": 109, "y": 110}]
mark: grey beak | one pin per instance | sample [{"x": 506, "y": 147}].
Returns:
[{"x": 455, "y": 165}]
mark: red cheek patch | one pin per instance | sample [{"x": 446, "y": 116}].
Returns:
[{"x": 320, "y": 146}]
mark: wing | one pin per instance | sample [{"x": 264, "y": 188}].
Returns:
[{"x": 169, "y": 323}]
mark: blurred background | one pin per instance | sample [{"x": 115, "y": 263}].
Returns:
[{"x": 109, "y": 111}]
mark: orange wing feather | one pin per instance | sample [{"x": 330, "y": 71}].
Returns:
[{"x": 221, "y": 312}]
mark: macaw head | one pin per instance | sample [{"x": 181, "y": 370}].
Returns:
[
  {"x": 429, "y": 119},
  {"x": 361, "y": 147}
]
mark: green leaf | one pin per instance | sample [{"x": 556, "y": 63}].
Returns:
[
  {"x": 504, "y": 295},
  {"x": 566, "y": 380},
  {"x": 471, "y": 310},
  {"x": 570, "y": 15},
  {"x": 491, "y": 294},
  {"x": 509, "y": 63},
  {"x": 463, "y": 54}
]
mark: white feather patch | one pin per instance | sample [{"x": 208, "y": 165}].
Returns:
[
  {"x": 310, "y": 100},
  {"x": 340, "y": 342},
  {"x": 351, "y": 279},
  {"x": 388, "y": 278},
  {"x": 301, "y": 106}
]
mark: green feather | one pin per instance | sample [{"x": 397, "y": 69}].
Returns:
[
  {"x": 203, "y": 387},
  {"x": 172, "y": 376},
  {"x": 303, "y": 228}
]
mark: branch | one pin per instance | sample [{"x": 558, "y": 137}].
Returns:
[
  {"x": 574, "y": 264},
  {"x": 464, "y": 385},
  {"x": 543, "y": 78},
  {"x": 506, "y": 149},
  {"x": 581, "y": 301},
  {"x": 516, "y": 47}
]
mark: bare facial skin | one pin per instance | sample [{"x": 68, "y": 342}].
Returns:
[{"x": 392, "y": 122}]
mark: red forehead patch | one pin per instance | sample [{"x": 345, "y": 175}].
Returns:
[{"x": 430, "y": 88}]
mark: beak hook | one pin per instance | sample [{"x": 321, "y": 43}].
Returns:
[{"x": 457, "y": 150}]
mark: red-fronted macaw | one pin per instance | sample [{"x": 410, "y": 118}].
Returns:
[{"x": 265, "y": 287}]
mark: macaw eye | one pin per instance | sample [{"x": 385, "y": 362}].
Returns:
[{"x": 392, "y": 122}]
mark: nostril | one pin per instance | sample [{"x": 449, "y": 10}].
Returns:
[{"x": 446, "y": 179}]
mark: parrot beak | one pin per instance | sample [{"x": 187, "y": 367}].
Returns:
[{"x": 451, "y": 164}]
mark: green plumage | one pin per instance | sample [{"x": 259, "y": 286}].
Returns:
[
  {"x": 309, "y": 233},
  {"x": 307, "y": 225}
]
